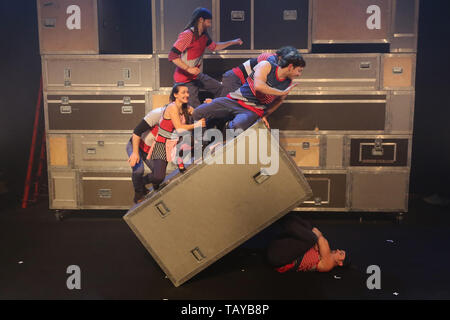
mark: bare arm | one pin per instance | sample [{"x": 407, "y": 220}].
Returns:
[
  {"x": 326, "y": 262},
  {"x": 226, "y": 44},
  {"x": 180, "y": 64},
  {"x": 175, "y": 117},
  {"x": 262, "y": 69},
  {"x": 134, "y": 157}
]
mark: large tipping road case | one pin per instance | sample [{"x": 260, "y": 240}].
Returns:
[{"x": 211, "y": 209}]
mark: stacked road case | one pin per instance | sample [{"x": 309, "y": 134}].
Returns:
[
  {"x": 98, "y": 71},
  {"x": 348, "y": 124}
]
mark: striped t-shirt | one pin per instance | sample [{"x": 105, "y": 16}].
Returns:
[
  {"x": 309, "y": 262},
  {"x": 190, "y": 51}
]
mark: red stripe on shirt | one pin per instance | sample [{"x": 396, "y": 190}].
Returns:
[
  {"x": 239, "y": 73},
  {"x": 259, "y": 112}
]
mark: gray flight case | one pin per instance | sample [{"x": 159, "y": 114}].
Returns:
[{"x": 211, "y": 209}]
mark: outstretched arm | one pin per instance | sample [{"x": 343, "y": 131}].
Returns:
[
  {"x": 326, "y": 262},
  {"x": 226, "y": 44},
  {"x": 175, "y": 117},
  {"x": 262, "y": 69}
]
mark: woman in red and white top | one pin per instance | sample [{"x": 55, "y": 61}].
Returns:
[
  {"x": 300, "y": 247},
  {"x": 175, "y": 117},
  {"x": 187, "y": 54}
]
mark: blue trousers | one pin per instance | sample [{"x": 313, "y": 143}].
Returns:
[{"x": 226, "y": 109}]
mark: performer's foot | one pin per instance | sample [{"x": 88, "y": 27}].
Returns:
[
  {"x": 139, "y": 196},
  {"x": 181, "y": 167}
]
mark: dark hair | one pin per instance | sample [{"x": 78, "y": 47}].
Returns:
[
  {"x": 184, "y": 107},
  {"x": 347, "y": 261},
  {"x": 284, "y": 50},
  {"x": 287, "y": 56},
  {"x": 197, "y": 14}
]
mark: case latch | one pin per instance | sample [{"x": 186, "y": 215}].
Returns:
[
  {"x": 317, "y": 201},
  {"x": 378, "y": 150}
]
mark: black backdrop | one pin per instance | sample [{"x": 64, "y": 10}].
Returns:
[{"x": 21, "y": 69}]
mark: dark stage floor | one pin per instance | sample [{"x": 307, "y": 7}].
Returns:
[{"x": 36, "y": 250}]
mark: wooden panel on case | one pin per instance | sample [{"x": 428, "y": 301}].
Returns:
[
  {"x": 160, "y": 100},
  {"x": 398, "y": 71},
  {"x": 58, "y": 151},
  {"x": 304, "y": 151}
]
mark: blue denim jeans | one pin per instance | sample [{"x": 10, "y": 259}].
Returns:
[{"x": 226, "y": 109}]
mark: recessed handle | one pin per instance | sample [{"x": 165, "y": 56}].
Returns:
[
  {"x": 197, "y": 253},
  {"x": 237, "y": 15},
  {"x": 365, "y": 65},
  {"x": 49, "y": 22},
  {"x": 261, "y": 177},
  {"x": 126, "y": 73},
  {"x": 162, "y": 209},
  {"x": 65, "y": 109},
  {"x": 127, "y": 109},
  {"x": 289, "y": 15},
  {"x": 397, "y": 70}
]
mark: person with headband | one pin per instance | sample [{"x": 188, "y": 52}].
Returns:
[
  {"x": 262, "y": 94},
  {"x": 187, "y": 54}
]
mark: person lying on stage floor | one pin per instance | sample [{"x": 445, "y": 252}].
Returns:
[
  {"x": 151, "y": 140},
  {"x": 187, "y": 54},
  {"x": 300, "y": 247},
  {"x": 233, "y": 79},
  {"x": 263, "y": 92}
]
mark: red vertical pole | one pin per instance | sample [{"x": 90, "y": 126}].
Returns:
[
  {"x": 33, "y": 147},
  {"x": 39, "y": 171}
]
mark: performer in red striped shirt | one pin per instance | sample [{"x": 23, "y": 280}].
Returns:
[
  {"x": 187, "y": 54},
  {"x": 300, "y": 247}
]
